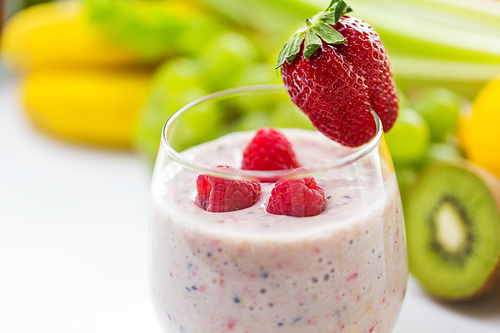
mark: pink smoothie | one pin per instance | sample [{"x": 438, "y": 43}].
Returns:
[{"x": 249, "y": 271}]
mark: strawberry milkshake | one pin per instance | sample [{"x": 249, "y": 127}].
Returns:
[{"x": 252, "y": 271}]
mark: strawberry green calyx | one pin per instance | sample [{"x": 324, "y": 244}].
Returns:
[{"x": 318, "y": 29}]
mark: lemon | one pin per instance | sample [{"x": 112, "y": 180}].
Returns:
[{"x": 480, "y": 134}]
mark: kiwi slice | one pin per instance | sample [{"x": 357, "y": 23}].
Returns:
[{"x": 453, "y": 230}]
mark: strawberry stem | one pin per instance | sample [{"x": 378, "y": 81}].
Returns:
[{"x": 318, "y": 29}]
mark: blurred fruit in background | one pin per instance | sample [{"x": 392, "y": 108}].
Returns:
[
  {"x": 409, "y": 139},
  {"x": 234, "y": 43},
  {"x": 77, "y": 83},
  {"x": 58, "y": 34},
  {"x": 87, "y": 65},
  {"x": 479, "y": 132},
  {"x": 424, "y": 130},
  {"x": 451, "y": 198},
  {"x": 100, "y": 32},
  {"x": 156, "y": 30},
  {"x": 453, "y": 230},
  {"x": 441, "y": 109},
  {"x": 231, "y": 60},
  {"x": 86, "y": 105}
]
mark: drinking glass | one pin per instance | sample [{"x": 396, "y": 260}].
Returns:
[{"x": 247, "y": 270}]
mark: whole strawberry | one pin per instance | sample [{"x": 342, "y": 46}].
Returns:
[
  {"x": 218, "y": 195},
  {"x": 337, "y": 71}
]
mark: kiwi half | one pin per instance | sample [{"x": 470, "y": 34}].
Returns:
[{"x": 453, "y": 230}]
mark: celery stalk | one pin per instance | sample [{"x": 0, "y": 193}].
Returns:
[{"x": 265, "y": 16}]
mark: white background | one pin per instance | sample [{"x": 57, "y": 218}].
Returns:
[{"x": 73, "y": 223}]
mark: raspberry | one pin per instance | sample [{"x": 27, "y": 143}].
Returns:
[
  {"x": 269, "y": 150},
  {"x": 296, "y": 197},
  {"x": 218, "y": 195}
]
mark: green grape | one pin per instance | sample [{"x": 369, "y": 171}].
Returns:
[
  {"x": 248, "y": 108},
  {"x": 409, "y": 138},
  {"x": 440, "y": 108},
  {"x": 199, "y": 124},
  {"x": 201, "y": 33},
  {"x": 255, "y": 74},
  {"x": 232, "y": 61},
  {"x": 175, "y": 84},
  {"x": 258, "y": 73},
  {"x": 252, "y": 121},
  {"x": 226, "y": 59},
  {"x": 183, "y": 82}
]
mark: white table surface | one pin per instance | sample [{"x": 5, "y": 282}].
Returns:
[{"x": 73, "y": 225}]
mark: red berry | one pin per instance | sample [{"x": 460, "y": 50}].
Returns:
[
  {"x": 216, "y": 194},
  {"x": 269, "y": 150},
  {"x": 296, "y": 197},
  {"x": 337, "y": 71},
  {"x": 372, "y": 62},
  {"x": 337, "y": 104}
]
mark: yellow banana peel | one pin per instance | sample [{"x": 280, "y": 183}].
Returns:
[
  {"x": 96, "y": 106},
  {"x": 58, "y": 34}
]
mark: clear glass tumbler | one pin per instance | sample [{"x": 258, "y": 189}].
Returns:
[{"x": 250, "y": 271}]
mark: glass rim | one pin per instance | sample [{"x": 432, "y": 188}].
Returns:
[{"x": 364, "y": 149}]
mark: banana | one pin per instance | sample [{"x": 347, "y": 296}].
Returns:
[
  {"x": 96, "y": 106},
  {"x": 59, "y": 34}
]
